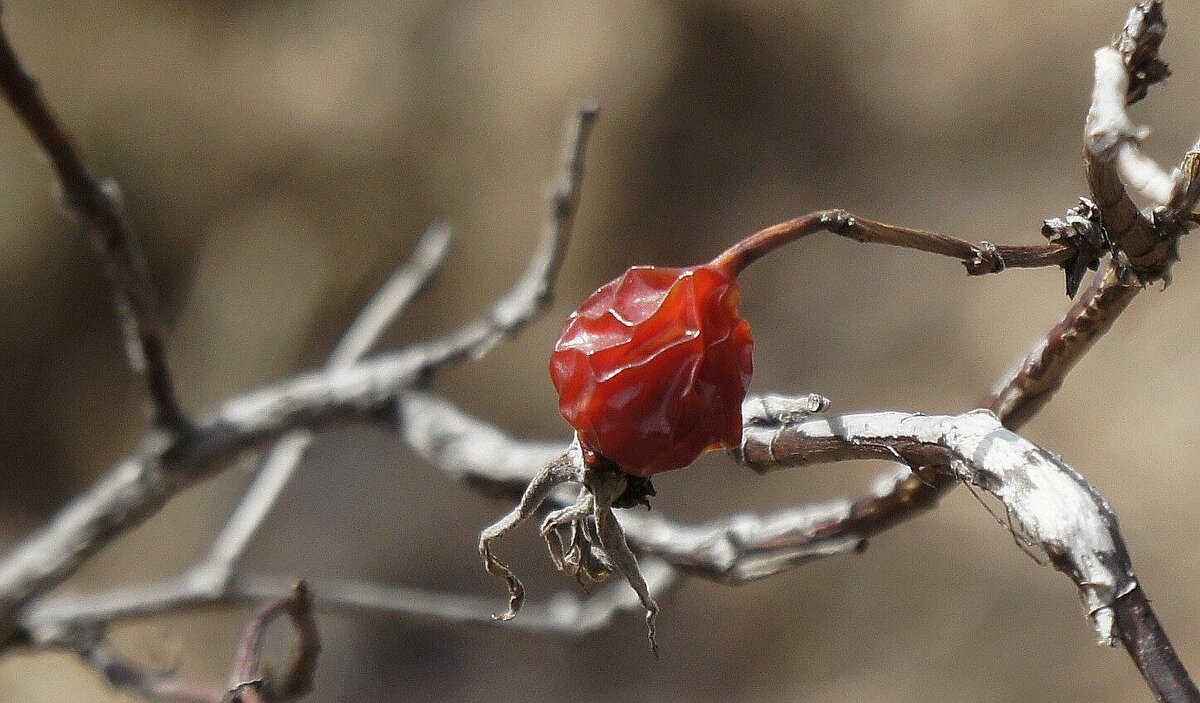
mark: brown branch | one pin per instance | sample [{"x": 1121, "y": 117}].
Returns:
[
  {"x": 297, "y": 678},
  {"x": 1147, "y": 643},
  {"x": 1115, "y": 160},
  {"x": 978, "y": 259},
  {"x": 124, "y": 675},
  {"x": 98, "y": 209}
]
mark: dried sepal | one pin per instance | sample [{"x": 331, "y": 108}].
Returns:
[
  {"x": 584, "y": 539},
  {"x": 557, "y": 472}
]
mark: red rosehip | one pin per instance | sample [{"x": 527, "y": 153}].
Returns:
[{"x": 652, "y": 369}]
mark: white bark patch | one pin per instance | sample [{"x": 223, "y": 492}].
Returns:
[{"x": 1052, "y": 507}]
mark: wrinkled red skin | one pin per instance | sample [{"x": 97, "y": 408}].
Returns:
[{"x": 652, "y": 369}]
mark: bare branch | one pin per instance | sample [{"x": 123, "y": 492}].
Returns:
[
  {"x": 534, "y": 291},
  {"x": 58, "y": 620},
  {"x": 898, "y": 494},
  {"x": 1055, "y": 508},
  {"x": 468, "y": 449},
  {"x": 1033, "y": 382},
  {"x": 978, "y": 259},
  {"x": 165, "y": 465},
  {"x": 1051, "y": 508},
  {"x": 394, "y": 296},
  {"x": 773, "y": 543},
  {"x": 1079, "y": 535},
  {"x": 1115, "y": 161},
  {"x": 280, "y": 463},
  {"x": 746, "y": 547},
  {"x": 97, "y": 206},
  {"x": 124, "y": 675},
  {"x": 1147, "y": 643},
  {"x": 297, "y": 678}
]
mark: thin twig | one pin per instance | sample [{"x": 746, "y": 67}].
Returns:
[
  {"x": 124, "y": 675},
  {"x": 978, "y": 259},
  {"x": 1146, "y": 641},
  {"x": 280, "y": 463},
  {"x": 297, "y": 678},
  {"x": 394, "y": 296},
  {"x": 140, "y": 484},
  {"x": 97, "y": 206},
  {"x": 57, "y": 621}
]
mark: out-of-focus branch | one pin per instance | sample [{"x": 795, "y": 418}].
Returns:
[
  {"x": 58, "y": 621},
  {"x": 280, "y": 463},
  {"x": 297, "y": 678},
  {"x": 124, "y": 675},
  {"x": 97, "y": 651},
  {"x": 97, "y": 206},
  {"x": 166, "y": 464}
]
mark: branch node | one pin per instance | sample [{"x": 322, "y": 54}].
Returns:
[
  {"x": 986, "y": 258},
  {"x": 1083, "y": 230}
]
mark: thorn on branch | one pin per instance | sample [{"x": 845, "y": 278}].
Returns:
[{"x": 1082, "y": 230}]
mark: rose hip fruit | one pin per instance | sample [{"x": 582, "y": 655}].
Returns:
[{"x": 652, "y": 369}]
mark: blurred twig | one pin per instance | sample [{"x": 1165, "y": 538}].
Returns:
[
  {"x": 974, "y": 447},
  {"x": 297, "y": 678},
  {"x": 219, "y": 566},
  {"x": 59, "y": 621},
  {"x": 165, "y": 464},
  {"x": 123, "y": 675},
  {"x": 97, "y": 206},
  {"x": 97, "y": 651}
]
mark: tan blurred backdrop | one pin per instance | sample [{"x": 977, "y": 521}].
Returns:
[{"x": 279, "y": 158}]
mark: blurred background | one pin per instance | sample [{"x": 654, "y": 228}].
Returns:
[{"x": 280, "y": 158}]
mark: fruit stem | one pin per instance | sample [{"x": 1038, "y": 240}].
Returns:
[
  {"x": 978, "y": 258},
  {"x": 737, "y": 257}
]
